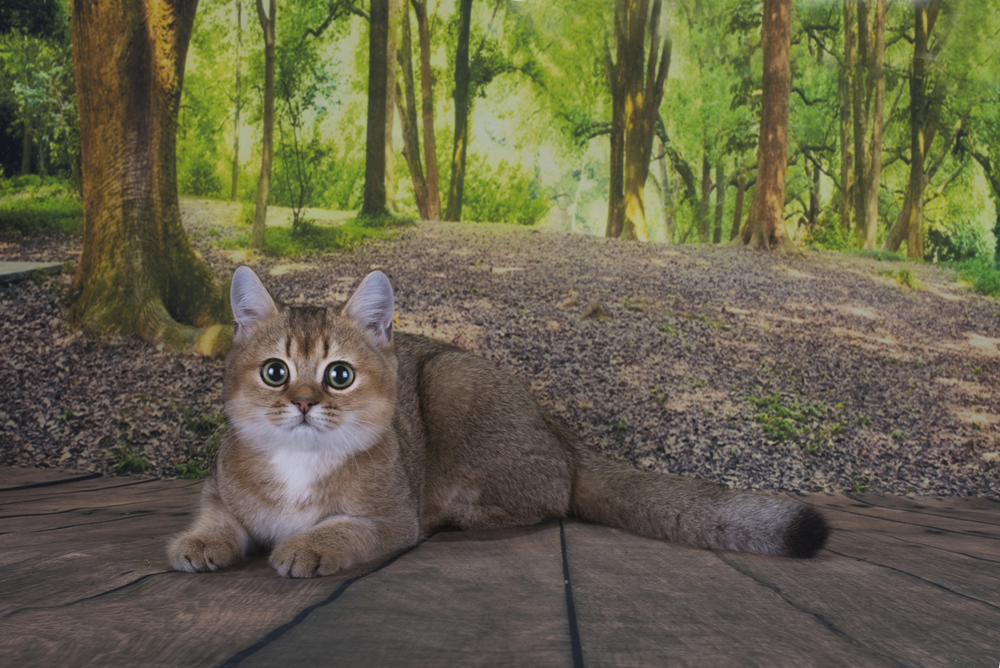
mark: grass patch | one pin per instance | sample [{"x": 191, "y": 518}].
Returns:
[
  {"x": 127, "y": 460},
  {"x": 213, "y": 429},
  {"x": 880, "y": 255},
  {"x": 904, "y": 277},
  {"x": 310, "y": 238},
  {"x": 785, "y": 419},
  {"x": 33, "y": 203},
  {"x": 981, "y": 275}
]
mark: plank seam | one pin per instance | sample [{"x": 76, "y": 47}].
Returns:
[
  {"x": 50, "y": 483},
  {"x": 914, "y": 542},
  {"x": 574, "y": 630},
  {"x": 816, "y": 615},
  {"x": 972, "y": 534},
  {"x": 916, "y": 577},
  {"x": 917, "y": 511},
  {"x": 275, "y": 634},
  {"x": 86, "y": 598}
]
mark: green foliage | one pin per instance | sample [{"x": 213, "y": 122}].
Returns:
[
  {"x": 34, "y": 203},
  {"x": 830, "y": 237},
  {"x": 126, "y": 459},
  {"x": 502, "y": 193},
  {"x": 36, "y": 84},
  {"x": 199, "y": 177},
  {"x": 983, "y": 276}
]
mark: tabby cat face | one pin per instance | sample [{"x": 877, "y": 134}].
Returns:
[{"x": 311, "y": 378}]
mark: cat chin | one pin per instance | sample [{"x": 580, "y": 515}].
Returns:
[{"x": 342, "y": 441}]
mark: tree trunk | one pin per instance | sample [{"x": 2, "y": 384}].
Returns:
[
  {"x": 923, "y": 127},
  {"x": 720, "y": 201},
  {"x": 374, "y": 204},
  {"x": 463, "y": 77},
  {"x": 741, "y": 188},
  {"x": 390, "y": 104},
  {"x": 615, "y": 71},
  {"x": 26, "y": 146},
  {"x": 267, "y": 23},
  {"x": 845, "y": 88},
  {"x": 645, "y": 79},
  {"x": 137, "y": 273},
  {"x": 669, "y": 223},
  {"x": 705, "y": 205},
  {"x": 427, "y": 111},
  {"x": 407, "y": 104},
  {"x": 869, "y": 103},
  {"x": 239, "y": 101},
  {"x": 765, "y": 226}
]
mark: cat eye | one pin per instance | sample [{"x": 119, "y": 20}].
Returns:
[
  {"x": 339, "y": 375},
  {"x": 274, "y": 373}
]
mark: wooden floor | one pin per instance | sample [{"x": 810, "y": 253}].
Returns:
[{"x": 84, "y": 582}]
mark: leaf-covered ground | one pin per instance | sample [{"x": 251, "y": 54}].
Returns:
[{"x": 748, "y": 368}]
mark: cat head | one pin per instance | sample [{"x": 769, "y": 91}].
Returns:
[{"x": 307, "y": 377}]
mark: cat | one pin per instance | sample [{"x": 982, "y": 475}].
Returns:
[{"x": 349, "y": 441}]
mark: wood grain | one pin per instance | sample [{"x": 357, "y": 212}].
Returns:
[{"x": 84, "y": 582}]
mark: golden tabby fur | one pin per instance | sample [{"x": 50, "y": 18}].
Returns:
[{"x": 349, "y": 442}]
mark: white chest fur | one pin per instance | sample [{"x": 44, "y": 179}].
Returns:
[{"x": 295, "y": 477}]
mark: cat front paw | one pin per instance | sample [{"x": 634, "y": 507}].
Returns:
[
  {"x": 194, "y": 554},
  {"x": 296, "y": 557}
]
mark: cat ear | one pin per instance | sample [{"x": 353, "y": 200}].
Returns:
[
  {"x": 371, "y": 307},
  {"x": 249, "y": 299}
]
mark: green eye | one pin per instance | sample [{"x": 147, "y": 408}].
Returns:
[
  {"x": 274, "y": 373},
  {"x": 339, "y": 375}
]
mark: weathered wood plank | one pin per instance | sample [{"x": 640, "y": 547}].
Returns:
[
  {"x": 84, "y": 581},
  {"x": 957, "y": 542},
  {"x": 643, "y": 602},
  {"x": 492, "y": 598},
  {"x": 956, "y": 525},
  {"x": 888, "y": 613},
  {"x": 965, "y": 575},
  {"x": 167, "y": 619},
  {"x": 970, "y": 509},
  {"x": 12, "y": 477}
]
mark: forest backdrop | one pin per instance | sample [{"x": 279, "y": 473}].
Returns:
[{"x": 634, "y": 119}]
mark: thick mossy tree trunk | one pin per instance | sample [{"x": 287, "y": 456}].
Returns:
[
  {"x": 427, "y": 110},
  {"x": 374, "y": 203},
  {"x": 765, "y": 226},
  {"x": 138, "y": 274},
  {"x": 267, "y": 22}
]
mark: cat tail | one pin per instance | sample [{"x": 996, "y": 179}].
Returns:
[{"x": 690, "y": 510}]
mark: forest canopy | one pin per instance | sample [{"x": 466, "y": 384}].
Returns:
[{"x": 892, "y": 139}]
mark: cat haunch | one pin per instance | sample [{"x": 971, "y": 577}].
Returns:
[{"x": 348, "y": 442}]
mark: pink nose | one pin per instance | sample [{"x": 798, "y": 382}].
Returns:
[{"x": 304, "y": 403}]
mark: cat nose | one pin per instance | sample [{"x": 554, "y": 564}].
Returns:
[{"x": 304, "y": 403}]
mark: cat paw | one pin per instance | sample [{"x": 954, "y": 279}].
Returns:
[
  {"x": 193, "y": 554},
  {"x": 296, "y": 558}
]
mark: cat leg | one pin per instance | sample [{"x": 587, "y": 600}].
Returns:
[
  {"x": 216, "y": 540},
  {"x": 339, "y": 542}
]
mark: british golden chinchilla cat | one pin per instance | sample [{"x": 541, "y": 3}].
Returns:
[{"x": 348, "y": 442}]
